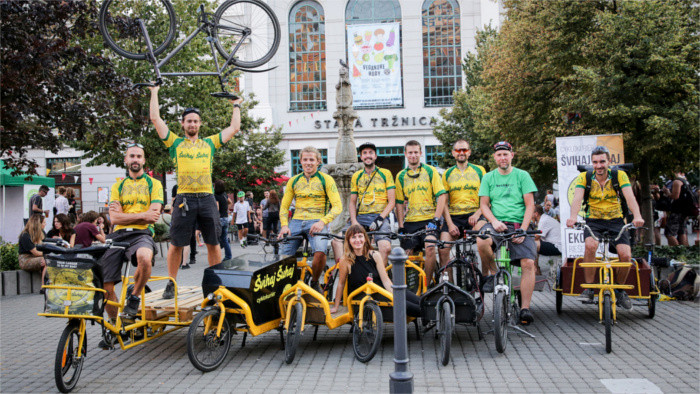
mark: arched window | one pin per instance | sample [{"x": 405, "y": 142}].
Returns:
[
  {"x": 442, "y": 61},
  {"x": 374, "y": 53},
  {"x": 307, "y": 57}
]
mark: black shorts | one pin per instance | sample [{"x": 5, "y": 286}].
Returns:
[
  {"x": 613, "y": 226},
  {"x": 414, "y": 244},
  {"x": 202, "y": 211},
  {"x": 548, "y": 249},
  {"x": 461, "y": 221},
  {"x": 112, "y": 260},
  {"x": 675, "y": 224},
  {"x": 524, "y": 250}
]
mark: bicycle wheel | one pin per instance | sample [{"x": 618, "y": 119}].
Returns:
[
  {"x": 291, "y": 341},
  {"x": 607, "y": 315},
  {"x": 500, "y": 320},
  {"x": 254, "y": 25},
  {"x": 69, "y": 363},
  {"x": 118, "y": 24},
  {"x": 366, "y": 339},
  {"x": 445, "y": 332},
  {"x": 205, "y": 350}
]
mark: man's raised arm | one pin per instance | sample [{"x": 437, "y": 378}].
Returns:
[
  {"x": 154, "y": 112},
  {"x": 235, "y": 127}
]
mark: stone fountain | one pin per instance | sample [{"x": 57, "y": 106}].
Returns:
[{"x": 345, "y": 151}]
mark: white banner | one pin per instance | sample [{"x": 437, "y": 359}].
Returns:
[
  {"x": 47, "y": 203},
  {"x": 572, "y": 151},
  {"x": 374, "y": 63}
]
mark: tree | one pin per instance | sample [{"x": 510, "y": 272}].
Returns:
[{"x": 54, "y": 89}]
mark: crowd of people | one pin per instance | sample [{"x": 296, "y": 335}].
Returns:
[{"x": 464, "y": 197}]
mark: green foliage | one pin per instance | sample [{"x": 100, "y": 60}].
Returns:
[
  {"x": 686, "y": 254},
  {"x": 9, "y": 257}
]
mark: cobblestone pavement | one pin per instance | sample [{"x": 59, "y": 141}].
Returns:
[{"x": 567, "y": 355}]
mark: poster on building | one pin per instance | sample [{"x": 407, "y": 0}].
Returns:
[
  {"x": 572, "y": 151},
  {"x": 374, "y": 64},
  {"x": 102, "y": 195}
]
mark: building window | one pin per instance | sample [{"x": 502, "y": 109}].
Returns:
[
  {"x": 374, "y": 53},
  {"x": 433, "y": 155},
  {"x": 296, "y": 165},
  {"x": 442, "y": 71},
  {"x": 67, "y": 165},
  {"x": 307, "y": 57}
]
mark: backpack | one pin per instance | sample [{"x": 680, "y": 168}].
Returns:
[
  {"x": 616, "y": 186},
  {"x": 687, "y": 202},
  {"x": 684, "y": 283}
]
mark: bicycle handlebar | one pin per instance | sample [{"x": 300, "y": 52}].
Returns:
[
  {"x": 329, "y": 235},
  {"x": 606, "y": 235},
  {"x": 52, "y": 247}
]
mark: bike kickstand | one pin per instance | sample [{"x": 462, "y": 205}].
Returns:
[{"x": 520, "y": 330}]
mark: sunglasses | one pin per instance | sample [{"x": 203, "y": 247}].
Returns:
[
  {"x": 461, "y": 150},
  {"x": 190, "y": 110},
  {"x": 134, "y": 144}
]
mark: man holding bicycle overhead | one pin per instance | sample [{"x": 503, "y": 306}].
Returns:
[
  {"x": 507, "y": 202},
  {"x": 419, "y": 185},
  {"x": 462, "y": 212},
  {"x": 604, "y": 213},
  {"x": 195, "y": 200},
  {"x": 133, "y": 209},
  {"x": 314, "y": 191},
  {"x": 372, "y": 198}
]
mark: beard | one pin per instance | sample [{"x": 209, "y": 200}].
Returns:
[
  {"x": 135, "y": 167},
  {"x": 461, "y": 160},
  {"x": 191, "y": 132}
]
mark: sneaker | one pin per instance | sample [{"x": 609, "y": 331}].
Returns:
[
  {"x": 193, "y": 261},
  {"x": 185, "y": 267},
  {"x": 526, "y": 317},
  {"x": 169, "y": 292},
  {"x": 624, "y": 300},
  {"x": 588, "y": 294},
  {"x": 314, "y": 285},
  {"x": 487, "y": 284},
  {"x": 131, "y": 309}
]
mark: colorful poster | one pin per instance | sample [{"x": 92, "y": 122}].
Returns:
[
  {"x": 375, "y": 66},
  {"x": 102, "y": 195},
  {"x": 572, "y": 151}
]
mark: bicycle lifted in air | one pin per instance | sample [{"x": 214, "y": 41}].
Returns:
[{"x": 143, "y": 29}]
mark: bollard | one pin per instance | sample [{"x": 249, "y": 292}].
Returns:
[{"x": 401, "y": 380}]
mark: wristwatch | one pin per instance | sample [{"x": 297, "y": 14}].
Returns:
[{"x": 237, "y": 106}]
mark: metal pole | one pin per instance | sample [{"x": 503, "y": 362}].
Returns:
[{"x": 401, "y": 380}]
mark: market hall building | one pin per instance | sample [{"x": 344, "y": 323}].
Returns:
[{"x": 404, "y": 60}]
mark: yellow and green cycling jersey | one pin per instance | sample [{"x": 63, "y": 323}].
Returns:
[
  {"x": 136, "y": 196},
  {"x": 371, "y": 190},
  {"x": 463, "y": 188},
  {"x": 420, "y": 188},
  {"x": 313, "y": 198},
  {"x": 193, "y": 161},
  {"x": 603, "y": 202}
]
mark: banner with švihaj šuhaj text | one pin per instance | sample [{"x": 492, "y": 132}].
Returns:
[
  {"x": 572, "y": 151},
  {"x": 374, "y": 64}
]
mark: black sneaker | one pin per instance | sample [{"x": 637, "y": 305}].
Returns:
[
  {"x": 185, "y": 267},
  {"x": 169, "y": 292},
  {"x": 131, "y": 309},
  {"x": 526, "y": 317},
  {"x": 588, "y": 294},
  {"x": 314, "y": 285},
  {"x": 487, "y": 284},
  {"x": 624, "y": 300},
  {"x": 193, "y": 261}
]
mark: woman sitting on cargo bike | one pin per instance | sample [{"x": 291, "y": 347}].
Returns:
[{"x": 359, "y": 262}]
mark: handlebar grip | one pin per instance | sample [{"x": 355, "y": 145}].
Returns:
[
  {"x": 534, "y": 231},
  {"x": 121, "y": 244}
]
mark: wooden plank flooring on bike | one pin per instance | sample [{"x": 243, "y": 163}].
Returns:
[{"x": 189, "y": 298}]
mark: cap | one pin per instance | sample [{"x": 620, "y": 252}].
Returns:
[
  {"x": 167, "y": 207},
  {"x": 502, "y": 145},
  {"x": 367, "y": 145},
  {"x": 240, "y": 194},
  {"x": 190, "y": 110}
]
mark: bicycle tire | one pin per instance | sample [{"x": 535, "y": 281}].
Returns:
[
  {"x": 500, "y": 320},
  {"x": 66, "y": 363},
  {"x": 205, "y": 351},
  {"x": 446, "y": 332},
  {"x": 291, "y": 340},
  {"x": 607, "y": 315},
  {"x": 366, "y": 339},
  {"x": 125, "y": 43},
  {"x": 262, "y": 19}
]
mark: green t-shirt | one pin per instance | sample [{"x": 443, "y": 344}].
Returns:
[{"x": 506, "y": 193}]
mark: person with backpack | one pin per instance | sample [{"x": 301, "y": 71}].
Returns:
[
  {"x": 313, "y": 191},
  {"x": 683, "y": 205},
  {"x": 462, "y": 212},
  {"x": 605, "y": 193}
]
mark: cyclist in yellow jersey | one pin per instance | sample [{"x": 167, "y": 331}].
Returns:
[
  {"x": 195, "y": 202},
  {"x": 314, "y": 191},
  {"x": 420, "y": 187},
  {"x": 134, "y": 207},
  {"x": 372, "y": 198},
  {"x": 462, "y": 183},
  {"x": 605, "y": 214}
]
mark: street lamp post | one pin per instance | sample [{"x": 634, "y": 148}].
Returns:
[{"x": 401, "y": 380}]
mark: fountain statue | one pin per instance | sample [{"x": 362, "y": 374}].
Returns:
[{"x": 345, "y": 151}]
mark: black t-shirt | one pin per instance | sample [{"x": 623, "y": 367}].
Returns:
[
  {"x": 223, "y": 204},
  {"x": 360, "y": 271},
  {"x": 35, "y": 200},
  {"x": 25, "y": 244},
  {"x": 56, "y": 233}
]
